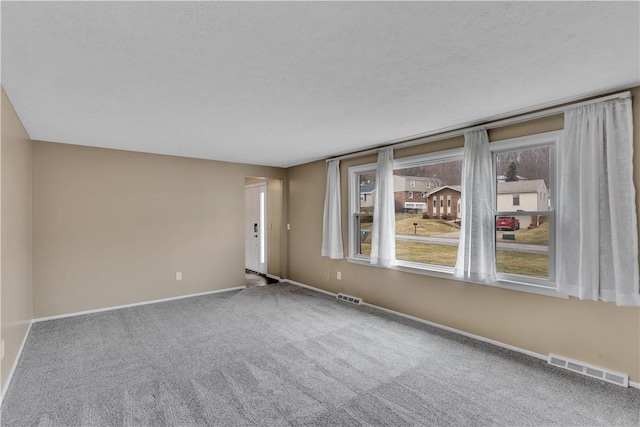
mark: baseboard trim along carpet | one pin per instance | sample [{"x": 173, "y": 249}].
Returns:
[
  {"x": 446, "y": 328},
  {"x": 15, "y": 363},
  {"x": 135, "y": 304}
]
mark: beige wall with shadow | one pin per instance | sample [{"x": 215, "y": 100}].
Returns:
[
  {"x": 113, "y": 227},
  {"x": 15, "y": 246}
]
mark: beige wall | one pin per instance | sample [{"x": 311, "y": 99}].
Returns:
[
  {"x": 15, "y": 214},
  {"x": 113, "y": 227},
  {"x": 275, "y": 219},
  {"x": 594, "y": 332}
]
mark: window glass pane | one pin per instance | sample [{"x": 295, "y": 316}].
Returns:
[
  {"x": 523, "y": 180},
  {"x": 523, "y": 187},
  {"x": 427, "y": 229},
  {"x": 363, "y": 217},
  {"x": 522, "y": 245},
  {"x": 367, "y": 185},
  {"x": 363, "y": 226}
]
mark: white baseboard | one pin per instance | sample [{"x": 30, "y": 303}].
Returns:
[
  {"x": 446, "y": 328},
  {"x": 135, "y": 304},
  {"x": 15, "y": 363}
]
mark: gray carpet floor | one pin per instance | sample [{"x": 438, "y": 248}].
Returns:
[
  {"x": 280, "y": 355},
  {"x": 251, "y": 280}
]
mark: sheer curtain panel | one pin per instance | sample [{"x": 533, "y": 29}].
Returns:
[
  {"x": 332, "y": 218},
  {"x": 383, "y": 234},
  {"x": 597, "y": 225},
  {"x": 476, "y": 250}
]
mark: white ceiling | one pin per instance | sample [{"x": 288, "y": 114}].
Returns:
[{"x": 286, "y": 83}]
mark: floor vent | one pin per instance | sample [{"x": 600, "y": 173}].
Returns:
[
  {"x": 589, "y": 370},
  {"x": 349, "y": 298}
]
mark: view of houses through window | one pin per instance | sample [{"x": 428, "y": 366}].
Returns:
[
  {"x": 427, "y": 227},
  {"x": 364, "y": 214},
  {"x": 523, "y": 211},
  {"x": 427, "y": 196}
]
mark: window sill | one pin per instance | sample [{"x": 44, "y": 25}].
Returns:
[{"x": 447, "y": 273}]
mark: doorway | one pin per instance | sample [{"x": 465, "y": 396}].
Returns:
[{"x": 255, "y": 218}]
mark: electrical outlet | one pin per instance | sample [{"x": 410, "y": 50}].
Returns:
[
  {"x": 2, "y": 350},
  {"x": 339, "y": 275},
  {"x": 288, "y": 226},
  {"x": 178, "y": 275}
]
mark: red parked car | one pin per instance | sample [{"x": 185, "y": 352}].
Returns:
[{"x": 507, "y": 223}]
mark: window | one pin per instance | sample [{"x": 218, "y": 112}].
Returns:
[
  {"x": 410, "y": 195},
  {"x": 524, "y": 222},
  {"x": 364, "y": 180},
  {"x": 428, "y": 243},
  {"x": 413, "y": 183},
  {"x": 428, "y": 184},
  {"x": 423, "y": 194},
  {"x": 524, "y": 233}
]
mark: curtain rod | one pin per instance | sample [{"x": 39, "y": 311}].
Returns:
[{"x": 460, "y": 130}]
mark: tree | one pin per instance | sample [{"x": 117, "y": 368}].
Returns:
[
  {"x": 511, "y": 174},
  {"x": 532, "y": 163}
]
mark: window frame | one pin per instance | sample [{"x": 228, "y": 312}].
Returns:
[
  {"x": 354, "y": 203},
  {"x": 420, "y": 160},
  {"x": 447, "y": 272},
  {"x": 547, "y": 139}
]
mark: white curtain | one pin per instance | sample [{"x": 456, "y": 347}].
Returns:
[
  {"x": 332, "y": 218},
  {"x": 383, "y": 234},
  {"x": 476, "y": 250},
  {"x": 597, "y": 225}
]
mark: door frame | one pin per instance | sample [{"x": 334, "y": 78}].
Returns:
[{"x": 263, "y": 240}]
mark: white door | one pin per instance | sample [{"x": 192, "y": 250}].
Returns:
[{"x": 255, "y": 202}]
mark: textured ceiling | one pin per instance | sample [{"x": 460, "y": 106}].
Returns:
[{"x": 286, "y": 83}]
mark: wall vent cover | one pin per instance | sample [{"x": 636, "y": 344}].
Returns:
[
  {"x": 349, "y": 298},
  {"x": 589, "y": 370}
]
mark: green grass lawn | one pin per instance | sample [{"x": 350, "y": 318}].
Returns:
[
  {"x": 426, "y": 253},
  {"x": 538, "y": 235},
  {"x": 506, "y": 262},
  {"x": 426, "y": 227},
  {"x": 534, "y": 265},
  {"x": 509, "y": 262}
]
